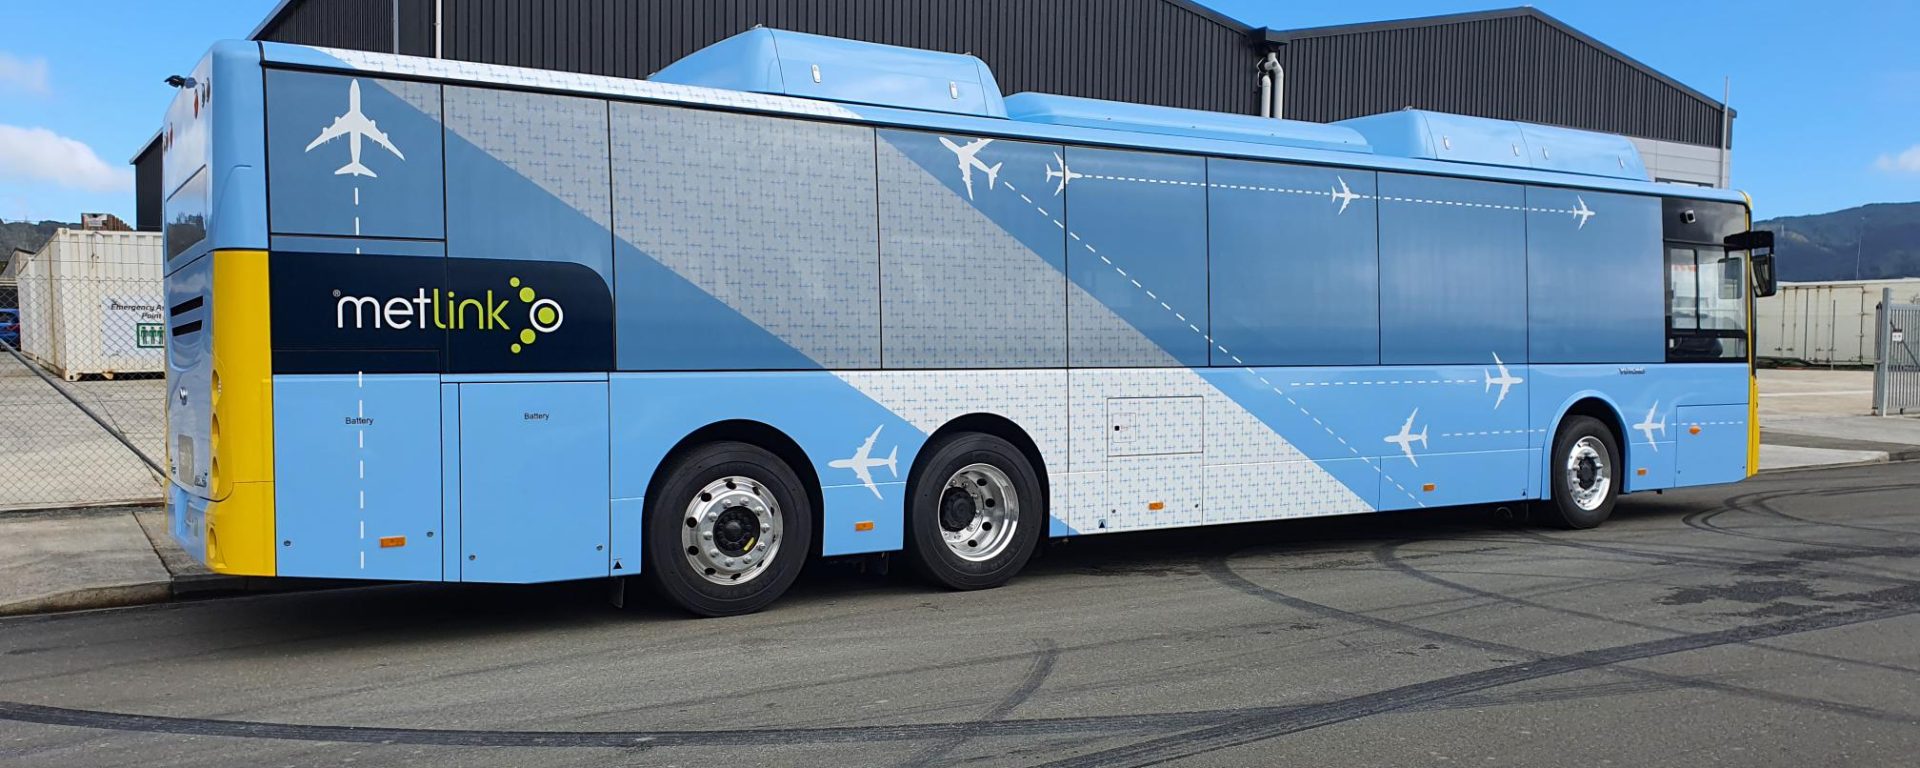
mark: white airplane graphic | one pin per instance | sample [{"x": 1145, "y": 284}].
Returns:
[
  {"x": 354, "y": 126},
  {"x": 862, "y": 464},
  {"x": 1505, "y": 380},
  {"x": 1582, "y": 212},
  {"x": 1344, "y": 195},
  {"x": 1648, "y": 426},
  {"x": 969, "y": 156},
  {"x": 1407, "y": 437},
  {"x": 1065, "y": 174}
]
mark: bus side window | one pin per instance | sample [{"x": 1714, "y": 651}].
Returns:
[{"x": 1706, "y": 304}]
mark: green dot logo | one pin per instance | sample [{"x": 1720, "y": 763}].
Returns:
[{"x": 544, "y": 316}]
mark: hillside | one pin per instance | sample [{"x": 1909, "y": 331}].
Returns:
[
  {"x": 1886, "y": 237},
  {"x": 27, "y": 235}
]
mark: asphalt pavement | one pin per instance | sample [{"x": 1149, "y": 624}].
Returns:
[{"x": 1765, "y": 623}]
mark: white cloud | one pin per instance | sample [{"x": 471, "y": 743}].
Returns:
[
  {"x": 29, "y": 75},
  {"x": 1905, "y": 162},
  {"x": 37, "y": 154}
]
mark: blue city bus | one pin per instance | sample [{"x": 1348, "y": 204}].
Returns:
[{"x": 796, "y": 296}]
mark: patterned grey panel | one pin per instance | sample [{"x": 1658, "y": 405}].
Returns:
[
  {"x": 1100, "y": 334},
  {"x": 1137, "y": 484},
  {"x": 557, "y": 142},
  {"x": 1035, "y": 399},
  {"x": 958, "y": 290},
  {"x": 774, "y": 217}
]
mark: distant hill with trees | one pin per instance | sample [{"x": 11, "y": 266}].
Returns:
[
  {"x": 27, "y": 235},
  {"x": 1883, "y": 238}
]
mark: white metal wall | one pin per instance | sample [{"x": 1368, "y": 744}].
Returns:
[
  {"x": 1825, "y": 323},
  {"x": 1685, "y": 163}
]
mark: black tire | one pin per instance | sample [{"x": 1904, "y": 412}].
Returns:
[
  {"x": 669, "y": 567},
  {"x": 1566, "y": 509},
  {"x": 927, "y": 546}
]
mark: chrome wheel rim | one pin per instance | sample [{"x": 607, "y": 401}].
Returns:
[
  {"x": 1589, "y": 478},
  {"x": 979, "y": 512},
  {"x": 731, "y": 530}
]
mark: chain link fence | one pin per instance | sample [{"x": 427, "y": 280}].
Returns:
[{"x": 82, "y": 383}]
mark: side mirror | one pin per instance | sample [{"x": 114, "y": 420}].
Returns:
[
  {"x": 1759, "y": 244},
  {"x": 1764, "y": 282}
]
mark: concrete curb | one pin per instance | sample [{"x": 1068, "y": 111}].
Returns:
[
  {"x": 1837, "y": 465},
  {"x": 118, "y": 596}
]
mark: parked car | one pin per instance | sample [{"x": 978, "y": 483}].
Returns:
[{"x": 10, "y": 327}]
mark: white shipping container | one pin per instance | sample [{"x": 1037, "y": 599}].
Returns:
[
  {"x": 1824, "y": 323},
  {"x": 92, "y": 302}
]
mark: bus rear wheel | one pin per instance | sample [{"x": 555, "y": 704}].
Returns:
[
  {"x": 727, "y": 530},
  {"x": 1585, "y": 473},
  {"x": 974, "y": 512}
]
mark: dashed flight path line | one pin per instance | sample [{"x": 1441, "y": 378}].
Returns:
[{"x": 1345, "y": 195}]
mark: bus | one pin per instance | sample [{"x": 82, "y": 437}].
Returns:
[{"x": 795, "y": 297}]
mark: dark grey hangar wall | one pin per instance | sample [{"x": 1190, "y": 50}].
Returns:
[{"x": 1515, "y": 64}]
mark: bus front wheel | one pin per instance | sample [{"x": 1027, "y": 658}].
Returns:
[
  {"x": 1586, "y": 473},
  {"x": 975, "y": 512},
  {"x": 727, "y": 530}
]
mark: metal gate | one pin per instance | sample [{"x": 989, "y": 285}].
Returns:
[{"x": 1896, "y": 378}]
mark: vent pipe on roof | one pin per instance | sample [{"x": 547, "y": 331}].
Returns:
[{"x": 1273, "y": 85}]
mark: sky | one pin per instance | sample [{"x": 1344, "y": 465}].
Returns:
[{"x": 1828, "y": 93}]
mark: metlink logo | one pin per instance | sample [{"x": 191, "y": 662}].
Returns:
[{"x": 447, "y": 311}]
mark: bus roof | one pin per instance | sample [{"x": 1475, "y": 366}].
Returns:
[{"x": 778, "y": 72}]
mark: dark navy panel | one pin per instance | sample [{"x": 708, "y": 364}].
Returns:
[
  {"x": 330, "y": 313},
  {"x": 533, "y": 481},
  {"x": 1294, "y": 265},
  {"x": 972, "y": 272},
  {"x": 528, "y": 177},
  {"x": 1594, "y": 280},
  {"x": 357, "y": 460},
  {"x": 341, "y": 313},
  {"x": 1453, "y": 271},
  {"x": 333, "y": 170},
  {"x": 1138, "y": 221}
]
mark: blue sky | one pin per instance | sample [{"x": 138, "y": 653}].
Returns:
[{"x": 1828, "y": 93}]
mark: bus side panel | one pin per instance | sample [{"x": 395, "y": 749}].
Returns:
[
  {"x": 829, "y": 420},
  {"x": 533, "y": 481},
  {"x": 1712, "y": 444},
  {"x": 357, "y": 459},
  {"x": 1647, "y": 399}
]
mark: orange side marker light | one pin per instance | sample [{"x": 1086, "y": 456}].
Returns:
[
  {"x": 863, "y": 526},
  {"x": 1693, "y": 430},
  {"x": 389, "y": 542},
  {"x": 1428, "y": 487},
  {"x": 1155, "y": 506},
  {"x": 1641, "y": 471}
]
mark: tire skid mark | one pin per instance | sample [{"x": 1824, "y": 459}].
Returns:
[
  {"x": 1255, "y": 729},
  {"x": 1037, "y": 673},
  {"x": 1759, "y": 502},
  {"x": 1763, "y": 502},
  {"x": 1674, "y": 559},
  {"x": 1388, "y": 557}
]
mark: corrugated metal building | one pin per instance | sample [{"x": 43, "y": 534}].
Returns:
[{"x": 1517, "y": 64}]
